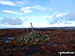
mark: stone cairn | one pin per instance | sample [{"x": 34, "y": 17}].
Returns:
[{"x": 32, "y": 37}]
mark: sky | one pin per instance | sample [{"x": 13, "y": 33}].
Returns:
[{"x": 41, "y": 13}]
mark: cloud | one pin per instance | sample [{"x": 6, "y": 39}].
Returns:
[
  {"x": 7, "y": 3},
  {"x": 61, "y": 14},
  {"x": 11, "y": 21},
  {"x": 43, "y": 21},
  {"x": 12, "y": 12},
  {"x": 29, "y": 9},
  {"x": 11, "y": 26},
  {"x": 71, "y": 16},
  {"x": 15, "y": 3},
  {"x": 41, "y": 8},
  {"x": 55, "y": 20},
  {"x": 26, "y": 9},
  {"x": 21, "y": 3},
  {"x": 48, "y": 17},
  {"x": 66, "y": 18}
]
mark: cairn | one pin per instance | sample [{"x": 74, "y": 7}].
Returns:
[{"x": 32, "y": 37}]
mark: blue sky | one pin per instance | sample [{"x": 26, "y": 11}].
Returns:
[{"x": 41, "y": 13}]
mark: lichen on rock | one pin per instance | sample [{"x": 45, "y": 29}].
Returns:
[{"x": 32, "y": 37}]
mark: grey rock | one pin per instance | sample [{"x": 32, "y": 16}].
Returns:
[{"x": 33, "y": 36}]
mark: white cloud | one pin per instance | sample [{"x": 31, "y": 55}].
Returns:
[
  {"x": 46, "y": 17},
  {"x": 15, "y": 3},
  {"x": 11, "y": 26},
  {"x": 32, "y": 18},
  {"x": 36, "y": 24},
  {"x": 61, "y": 14},
  {"x": 21, "y": 3},
  {"x": 61, "y": 19},
  {"x": 41, "y": 8},
  {"x": 56, "y": 20},
  {"x": 12, "y": 12},
  {"x": 27, "y": 25},
  {"x": 11, "y": 21},
  {"x": 29, "y": 9},
  {"x": 41, "y": 22},
  {"x": 26, "y": 10},
  {"x": 71, "y": 16},
  {"x": 7, "y": 3}
]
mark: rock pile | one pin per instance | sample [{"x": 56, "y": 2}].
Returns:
[{"x": 32, "y": 37}]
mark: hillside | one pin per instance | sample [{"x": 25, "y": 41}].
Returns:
[{"x": 61, "y": 40}]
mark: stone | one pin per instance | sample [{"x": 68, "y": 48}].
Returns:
[{"x": 32, "y": 37}]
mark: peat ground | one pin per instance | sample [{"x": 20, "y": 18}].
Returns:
[{"x": 62, "y": 40}]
